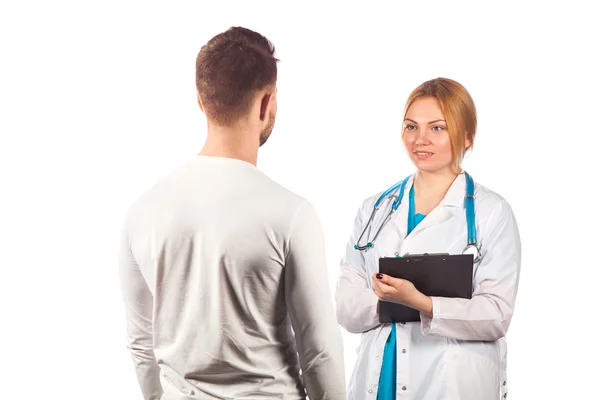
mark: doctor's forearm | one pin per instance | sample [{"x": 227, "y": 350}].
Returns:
[
  {"x": 422, "y": 303},
  {"x": 356, "y": 304},
  {"x": 479, "y": 318},
  {"x": 357, "y": 311}
]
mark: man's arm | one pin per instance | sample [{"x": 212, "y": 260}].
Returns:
[
  {"x": 138, "y": 312},
  {"x": 310, "y": 306}
]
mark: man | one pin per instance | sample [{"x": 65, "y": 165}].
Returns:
[{"x": 219, "y": 263}]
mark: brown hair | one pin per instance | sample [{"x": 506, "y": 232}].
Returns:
[
  {"x": 459, "y": 111},
  {"x": 230, "y": 69}
]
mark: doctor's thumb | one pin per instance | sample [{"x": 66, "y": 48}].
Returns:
[{"x": 383, "y": 278}]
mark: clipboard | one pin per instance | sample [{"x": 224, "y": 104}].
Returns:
[{"x": 440, "y": 275}]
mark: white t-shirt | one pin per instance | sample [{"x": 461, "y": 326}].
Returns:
[{"x": 218, "y": 264}]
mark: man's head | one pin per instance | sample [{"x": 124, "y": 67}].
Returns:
[{"x": 236, "y": 76}]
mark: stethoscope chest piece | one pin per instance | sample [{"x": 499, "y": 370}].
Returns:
[{"x": 474, "y": 250}]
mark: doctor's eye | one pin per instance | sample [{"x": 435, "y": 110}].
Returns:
[
  {"x": 439, "y": 128},
  {"x": 409, "y": 127}
]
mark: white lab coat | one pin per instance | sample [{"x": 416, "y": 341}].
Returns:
[{"x": 461, "y": 353}]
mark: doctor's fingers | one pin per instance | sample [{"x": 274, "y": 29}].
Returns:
[
  {"x": 380, "y": 295},
  {"x": 397, "y": 284},
  {"x": 385, "y": 280},
  {"x": 376, "y": 281},
  {"x": 381, "y": 289}
]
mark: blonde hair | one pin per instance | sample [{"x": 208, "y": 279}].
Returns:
[{"x": 458, "y": 109}]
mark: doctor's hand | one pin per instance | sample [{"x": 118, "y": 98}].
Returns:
[{"x": 401, "y": 291}]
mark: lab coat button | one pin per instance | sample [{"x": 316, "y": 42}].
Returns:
[
  {"x": 504, "y": 383},
  {"x": 370, "y": 391},
  {"x": 403, "y": 387},
  {"x": 403, "y": 350}
]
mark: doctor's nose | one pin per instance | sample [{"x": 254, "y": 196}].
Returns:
[{"x": 422, "y": 138}]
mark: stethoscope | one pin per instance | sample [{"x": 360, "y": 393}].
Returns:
[{"x": 472, "y": 246}]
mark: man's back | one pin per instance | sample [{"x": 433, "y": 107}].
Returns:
[{"x": 231, "y": 261}]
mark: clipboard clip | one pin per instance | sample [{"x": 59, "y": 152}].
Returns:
[{"x": 423, "y": 255}]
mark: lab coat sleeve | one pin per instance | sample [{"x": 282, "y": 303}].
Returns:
[
  {"x": 310, "y": 307},
  {"x": 487, "y": 315},
  {"x": 138, "y": 303},
  {"x": 356, "y": 303}
]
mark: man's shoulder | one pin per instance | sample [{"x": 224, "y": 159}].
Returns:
[
  {"x": 152, "y": 195},
  {"x": 282, "y": 192}
]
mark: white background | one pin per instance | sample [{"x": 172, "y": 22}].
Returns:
[{"x": 97, "y": 101}]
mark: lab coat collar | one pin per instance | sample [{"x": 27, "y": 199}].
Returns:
[
  {"x": 452, "y": 203},
  {"x": 455, "y": 196}
]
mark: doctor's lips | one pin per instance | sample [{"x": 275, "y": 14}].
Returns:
[{"x": 421, "y": 155}]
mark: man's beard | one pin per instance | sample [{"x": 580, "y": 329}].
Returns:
[{"x": 264, "y": 135}]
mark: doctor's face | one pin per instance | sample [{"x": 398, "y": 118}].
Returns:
[{"x": 425, "y": 136}]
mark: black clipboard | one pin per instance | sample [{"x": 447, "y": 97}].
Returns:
[{"x": 441, "y": 275}]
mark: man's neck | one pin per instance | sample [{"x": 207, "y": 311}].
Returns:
[{"x": 235, "y": 143}]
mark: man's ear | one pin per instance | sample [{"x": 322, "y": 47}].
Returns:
[
  {"x": 200, "y": 102},
  {"x": 264, "y": 105}
]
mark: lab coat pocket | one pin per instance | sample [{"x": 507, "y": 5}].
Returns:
[{"x": 470, "y": 376}]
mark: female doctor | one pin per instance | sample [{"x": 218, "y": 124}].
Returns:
[{"x": 458, "y": 349}]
